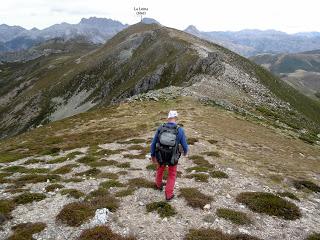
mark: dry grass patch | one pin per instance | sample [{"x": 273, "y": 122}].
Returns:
[
  {"x": 235, "y": 217},
  {"x": 270, "y": 204},
  {"x": 192, "y": 140},
  {"x": 136, "y": 147},
  {"x": 194, "y": 197},
  {"x": 24, "y": 231},
  {"x": 102, "y": 233},
  {"x": 70, "y": 192},
  {"x": 53, "y": 187},
  {"x": 25, "y": 198},
  {"x": 212, "y": 141},
  {"x": 164, "y": 209}
]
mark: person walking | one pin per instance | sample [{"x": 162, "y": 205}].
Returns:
[{"x": 167, "y": 146}]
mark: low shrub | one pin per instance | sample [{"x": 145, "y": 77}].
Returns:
[
  {"x": 200, "y": 177},
  {"x": 213, "y": 234},
  {"x": 76, "y": 213},
  {"x": 200, "y": 161},
  {"x": 6, "y": 207},
  {"x": 313, "y": 236},
  {"x": 288, "y": 195},
  {"x": 124, "y": 193},
  {"x": 70, "y": 192},
  {"x": 212, "y": 154},
  {"x": 64, "y": 169},
  {"x": 53, "y": 187},
  {"x": 301, "y": 184},
  {"x": 141, "y": 183},
  {"x": 111, "y": 183},
  {"x": 218, "y": 174},
  {"x": 92, "y": 172}
]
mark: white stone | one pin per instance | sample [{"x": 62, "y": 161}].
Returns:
[{"x": 207, "y": 207}]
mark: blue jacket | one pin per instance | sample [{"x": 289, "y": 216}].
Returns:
[{"x": 181, "y": 140}]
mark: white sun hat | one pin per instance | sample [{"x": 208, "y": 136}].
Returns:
[{"x": 172, "y": 114}]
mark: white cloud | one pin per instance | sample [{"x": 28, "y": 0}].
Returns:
[{"x": 209, "y": 15}]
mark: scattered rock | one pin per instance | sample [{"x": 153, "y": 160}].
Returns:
[{"x": 207, "y": 207}]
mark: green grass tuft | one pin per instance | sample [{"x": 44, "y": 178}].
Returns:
[
  {"x": 64, "y": 169},
  {"x": 72, "y": 193},
  {"x": 109, "y": 175},
  {"x": 92, "y": 172},
  {"x": 111, "y": 183},
  {"x": 102, "y": 233},
  {"x": 124, "y": 193},
  {"x": 53, "y": 187},
  {"x": 24, "y": 231},
  {"x": 33, "y": 161},
  {"x": 194, "y": 197},
  {"x": 164, "y": 209},
  {"x": 313, "y": 236},
  {"x": 213, "y": 234},
  {"x": 200, "y": 161},
  {"x": 218, "y": 174},
  {"x": 151, "y": 167},
  {"x": 25, "y": 198},
  {"x": 301, "y": 184},
  {"x": 75, "y": 214},
  {"x": 270, "y": 204},
  {"x": 87, "y": 159},
  {"x": 235, "y": 217},
  {"x": 289, "y": 195},
  {"x": 199, "y": 177},
  {"x": 141, "y": 183},
  {"x": 124, "y": 165},
  {"x": 6, "y": 207}
]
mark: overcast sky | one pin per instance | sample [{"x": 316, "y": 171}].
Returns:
[{"x": 207, "y": 15}]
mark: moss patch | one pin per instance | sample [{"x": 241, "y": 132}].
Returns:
[
  {"x": 106, "y": 201},
  {"x": 200, "y": 177},
  {"x": 235, "y": 217},
  {"x": 25, "y": 198},
  {"x": 269, "y": 204},
  {"x": 53, "y": 187},
  {"x": 102, "y": 233},
  {"x": 194, "y": 197},
  {"x": 304, "y": 184},
  {"x": 24, "y": 231},
  {"x": 72, "y": 193},
  {"x": 164, "y": 209}
]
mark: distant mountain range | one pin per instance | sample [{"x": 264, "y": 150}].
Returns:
[
  {"x": 300, "y": 70},
  {"x": 97, "y": 30},
  {"x": 253, "y": 42}
]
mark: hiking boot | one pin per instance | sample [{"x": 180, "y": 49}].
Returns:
[
  {"x": 170, "y": 198},
  {"x": 159, "y": 188}
]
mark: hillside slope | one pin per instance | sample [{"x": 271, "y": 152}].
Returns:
[
  {"x": 136, "y": 60},
  {"x": 98, "y": 159},
  {"x": 300, "y": 70}
]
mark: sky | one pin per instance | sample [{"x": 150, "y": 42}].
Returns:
[{"x": 290, "y": 16}]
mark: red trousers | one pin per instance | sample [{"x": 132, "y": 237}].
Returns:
[{"x": 172, "y": 173}]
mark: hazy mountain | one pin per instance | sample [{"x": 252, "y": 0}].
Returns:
[
  {"x": 253, "y": 42},
  {"x": 136, "y": 60},
  {"x": 300, "y": 70},
  {"x": 96, "y": 30}
]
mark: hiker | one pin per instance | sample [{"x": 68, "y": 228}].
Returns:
[{"x": 166, "y": 148}]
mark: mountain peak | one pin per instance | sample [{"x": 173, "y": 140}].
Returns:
[
  {"x": 149, "y": 21},
  {"x": 192, "y": 29}
]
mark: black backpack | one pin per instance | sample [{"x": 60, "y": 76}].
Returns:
[{"x": 167, "y": 145}]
